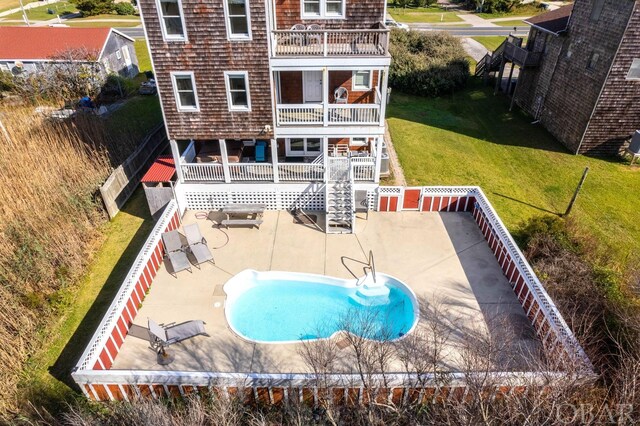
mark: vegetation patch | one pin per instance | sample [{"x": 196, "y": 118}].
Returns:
[{"x": 428, "y": 64}]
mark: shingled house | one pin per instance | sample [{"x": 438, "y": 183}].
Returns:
[
  {"x": 278, "y": 96},
  {"x": 584, "y": 86}
]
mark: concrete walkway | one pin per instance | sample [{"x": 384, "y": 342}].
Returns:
[
  {"x": 474, "y": 48},
  {"x": 475, "y": 20}
]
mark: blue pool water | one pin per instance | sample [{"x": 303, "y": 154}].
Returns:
[{"x": 282, "y": 311}]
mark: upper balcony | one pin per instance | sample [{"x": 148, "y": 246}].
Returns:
[{"x": 306, "y": 43}]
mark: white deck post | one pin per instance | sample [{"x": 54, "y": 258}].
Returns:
[
  {"x": 325, "y": 96},
  {"x": 225, "y": 161},
  {"x": 325, "y": 150},
  {"x": 383, "y": 95},
  {"x": 175, "y": 152},
  {"x": 376, "y": 172},
  {"x": 274, "y": 159}
]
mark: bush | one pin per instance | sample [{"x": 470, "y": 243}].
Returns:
[
  {"x": 6, "y": 81},
  {"x": 117, "y": 86},
  {"x": 124, "y": 9},
  {"x": 427, "y": 64},
  {"x": 94, "y": 7}
]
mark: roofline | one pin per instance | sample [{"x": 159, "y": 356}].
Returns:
[
  {"x": 546, "y": 30},
  {"x": 49, "y": 60},
  {"x": 112, "y": 31},
  {"x": 123, "y": 34}
]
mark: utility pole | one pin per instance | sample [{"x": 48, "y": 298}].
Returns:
[{"x": 575, "y": 194}]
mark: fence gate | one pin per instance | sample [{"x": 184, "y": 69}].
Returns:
[{"x": 411, "y": 199}]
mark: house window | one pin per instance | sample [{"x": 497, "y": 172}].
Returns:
[
  {"x": 118, "y": 55},
  {"x": 184, "y": 87},
  {"x": 593, "y": 61},
  {"x": 237, "y": 19},
  {"x": 634, "y": 71},
  {"x": 322, "y": 8},
  {"x": 172, "y": 21},
  {"x": 361, "y": 80},
  {"x": 303, "y": 146},
  {"x": 237, "y": 83},
  {"x": 596, "y": 10},
  {"x": 358, "y": 142}
]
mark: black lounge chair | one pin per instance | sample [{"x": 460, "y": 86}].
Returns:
[{"x": 163, "y": 336}]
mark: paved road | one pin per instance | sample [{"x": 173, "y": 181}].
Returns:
[
  {"x": 473, "y": 31},
  {"x": 135, "y": 32}
]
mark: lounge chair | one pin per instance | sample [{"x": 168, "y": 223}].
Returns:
[
  {"x": 163, "y": 336},
  {"x": 260, "y": 151},
  {"x": 174, "y": 252},
  {"x": 197, "y": 245}
]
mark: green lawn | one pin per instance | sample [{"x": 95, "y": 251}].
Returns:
[
  {"x": 46, "y": 379},
  {"x": 522, "y": 10},
  {"x": 490, "y": 42},
  {"x": 11, "y": 4},
  {"x": 142, "y": 53},
  {"x": 40, "y": 13},
  {"x": 514, "y": 23},
  {"x": 470, "y": 138},
  {"x": 423, "y": 14},
  {"x": 91, "y": 24},
  {"x": 136, "y": 118}
]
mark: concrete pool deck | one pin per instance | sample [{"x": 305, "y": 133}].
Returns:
[{"x": 443, "y": 257}]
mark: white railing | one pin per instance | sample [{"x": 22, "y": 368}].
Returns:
[
  {"x": 354, "y": 114},
  {"x": 202, "y": 172},
  {"x": 363, "y": 168},
  {"x": 300, "y": 114},
  {"x": 251, "y": 172},
  {"x": 336, "y": 114},
  {"x": 301, "y": 172},
  {"x": 371, "y": 42}
]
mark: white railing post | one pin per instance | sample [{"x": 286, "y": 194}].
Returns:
[
  {"x": 325, "y": 97},
  {"x": 383, "y": 97},
  {"x": 376, "y": 170},
  {"x": 274, "y": 159},
  {"x": 325, "y": 160},
  {"x": 225, "y": 161},
  {"x": 175, "y": 152},
  {"x": 325, "y": 43}
]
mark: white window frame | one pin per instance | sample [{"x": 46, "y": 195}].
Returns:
[
  {"x": 118, "y": 54},
  {"x": 165, "y": 35},
  {"x": 357, "y": 88},
  {"x": 233, "y": 108},
  {"x": 227, "y": 21},
  {"x": 359, "y": 141},
  {"x": 305, "y": 152},
  {"x": 323, "y": 11},
  {"x": 177, "y": 95}
]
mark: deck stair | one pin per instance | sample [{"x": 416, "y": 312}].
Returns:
[{"x": 340, "y": 197}]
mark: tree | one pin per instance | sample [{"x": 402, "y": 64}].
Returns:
[
  {"x": 95, "y": 7},
  {"x": 124, "y": 9}
]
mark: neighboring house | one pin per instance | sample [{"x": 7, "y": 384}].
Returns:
[
  {"x": 582, "y": 81},
  {"x": 274, "y": 93},
  {"x": 30, "y": 49}
]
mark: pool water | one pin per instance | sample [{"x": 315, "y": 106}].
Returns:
[{"x": 292, "y": 310}]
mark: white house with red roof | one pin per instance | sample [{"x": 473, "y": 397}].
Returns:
[{"x": 29, "y": 49}]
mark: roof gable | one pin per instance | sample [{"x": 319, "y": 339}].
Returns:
[{"x": 555, "y": 21}]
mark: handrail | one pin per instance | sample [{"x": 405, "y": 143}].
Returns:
[
  {"x": 372, "y": 265},
  {"x": 355, "y": 31}
]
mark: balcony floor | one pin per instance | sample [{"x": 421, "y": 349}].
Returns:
[{"x": 441, "y": 256}]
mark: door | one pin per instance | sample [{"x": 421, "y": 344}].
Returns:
[
  {"x": 312, "y": 86},
  {"x": 411, "y": 199},
  {"x": 126, "y": 56}
]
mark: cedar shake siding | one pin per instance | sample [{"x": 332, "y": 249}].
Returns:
[
  {"x": 617, "y": 114},
  {"x": 359, "y": 14},
  {"x": 207, "y": 54},
  {"x": 563, "y": 90}
]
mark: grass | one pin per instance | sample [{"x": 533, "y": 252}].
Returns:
[
  {"x": 429, "y": 15},
  {"x": 46, "y": 379},
  {"x": 522, "y": 10},
  {"x": 136, "y": 117},
  {"x": 89, "y": 24},
  {"x": 490, "y": 42},
  {"x": 40, "y": 13},
  {"x": 471, "y": 138},
  {"x": 11, "y": 4},
  {"x": 142, "y": 53}
]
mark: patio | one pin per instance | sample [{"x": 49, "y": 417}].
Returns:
[{"x": 443, "y": 257}]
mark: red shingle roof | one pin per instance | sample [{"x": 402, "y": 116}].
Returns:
[
  {"x": 44, "y": 42},
  {"x": 161, "y": 170},
  {"x": 555, "y": 21}
]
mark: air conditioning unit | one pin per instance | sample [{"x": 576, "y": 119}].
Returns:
[{"x": 634, "y": 147}]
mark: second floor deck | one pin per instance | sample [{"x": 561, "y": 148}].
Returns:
[{"x": 331, "y": 43}]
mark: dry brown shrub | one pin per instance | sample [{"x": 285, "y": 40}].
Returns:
[{"x": 48, "y": 217}]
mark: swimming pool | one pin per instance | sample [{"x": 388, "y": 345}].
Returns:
[{"x": 287, "y": 307}]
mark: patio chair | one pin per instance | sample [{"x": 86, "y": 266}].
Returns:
[
  {"x": 260, "y": 151},
  {"x": 197, "y": 245},
  {"x": 163, "y": 336},
  {"x": 341, "y": 95},
  {"x": 297, "y": 39},
  {"x": 174, "y": 252},
  {"x": 314, "y": 38}
]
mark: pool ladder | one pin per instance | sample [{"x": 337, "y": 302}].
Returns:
[{"x": 371, "y": 265}]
